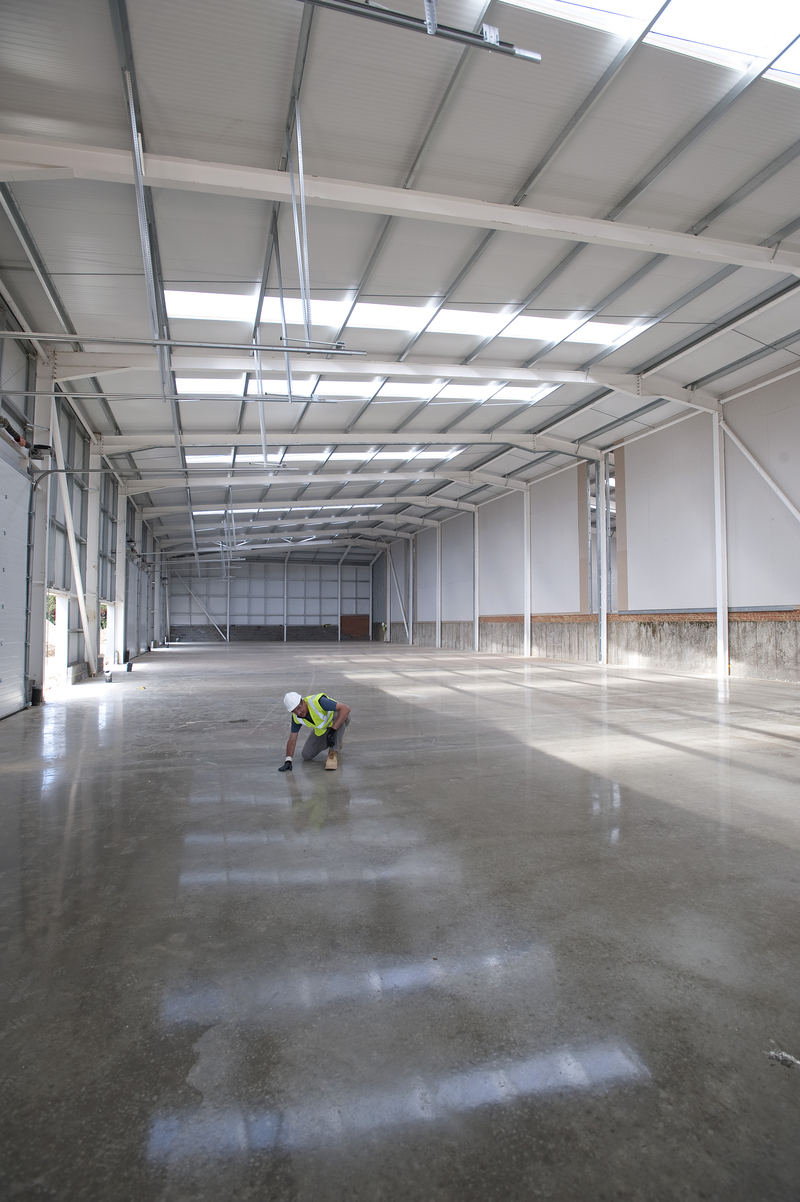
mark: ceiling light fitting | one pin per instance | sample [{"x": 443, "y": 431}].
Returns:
[{"x": 488, "y": 39}]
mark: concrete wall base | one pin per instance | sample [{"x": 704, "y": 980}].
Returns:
[
  {"x": 501, "y": 635},
  {"x": 424, "y": 634},
  {"x": 458, "y": 636},
  {"x": 764, "y": 645}
]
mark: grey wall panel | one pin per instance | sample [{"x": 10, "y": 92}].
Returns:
[
  {"x": 15, "y": 492},
  {"x": 256, "y": 595},
  {"x": 669, "y": 504},
  {"x": 763, "y": 537},
  {"x": 555, "y": 549},
  {"x": 457, "y": 577},
  {"x": 501, "y": 559},
  {"x": 426, "y": 576}
]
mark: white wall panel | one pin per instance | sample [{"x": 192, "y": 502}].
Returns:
[
  {"x": 426, "y": 576},
  {"x": 457, "y": 578},
  {"x": 501, "y": 557},
  {"x": 763, "y": 537},
  {"x": 669, "y": 498},
  {"x": 398, "y": 552},
  {"x": 15, "y": 490},
  {"x": 555, "y": 549}
]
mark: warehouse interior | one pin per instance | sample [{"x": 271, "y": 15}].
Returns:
[{"x": 441, "y": 357}]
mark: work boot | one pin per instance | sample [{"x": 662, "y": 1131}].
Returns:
[{"x": 332, "y": 760}]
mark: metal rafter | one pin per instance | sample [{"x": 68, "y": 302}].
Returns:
[
  {"x": 159, "y": 325},
  {"x": 556, "y": 146},
  {"x": 655, "y": 173}
]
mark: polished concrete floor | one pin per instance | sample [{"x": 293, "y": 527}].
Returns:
[{"x": 534, "y": 939}]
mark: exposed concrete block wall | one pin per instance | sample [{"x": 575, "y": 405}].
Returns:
[
  {"x": 425, "y": 634},
  {"x": 682, "y": 642},
  {"x": 458, "y": 636},
  {"x": 501, "y": 633},
  {"x": 765, "y": 646},
  {"x": 566, "y": 637},
  {"x": 399, "y": 633}
]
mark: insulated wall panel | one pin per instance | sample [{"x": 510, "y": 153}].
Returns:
[
  {"x": 15, "y": 492},
  {"x": 457, "y": 574},
  {"x": 763, "y": 536},
  {"x": 501, "y": 558},
  {"x": 555, "y": 548},
  {"x": 426, "y": 576},
  {"x": 669, "y": 506}
]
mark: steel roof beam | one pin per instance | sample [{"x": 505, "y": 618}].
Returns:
[
  {"x": 259, "y": 479},
  {"x": 746, "y": 81},
  {"x": 116, "y": 444},
  {"x": 421, "y": 501},
  {"x": 103, "y": 163}
]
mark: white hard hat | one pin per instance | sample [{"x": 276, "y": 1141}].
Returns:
[{"x": 291, "y": 701}]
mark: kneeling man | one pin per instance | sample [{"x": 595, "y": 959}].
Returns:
[{"x": 327, "y": 719}]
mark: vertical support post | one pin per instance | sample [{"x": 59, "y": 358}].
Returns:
[
  {"x": 439, "y": 585},
  {"x": 157, "y": 631},
  {"x": 341, "y": 561},
  {"x": 40, "y": 532},
  {"x": 526, "y": 572},
  {"x": 93, "y": 548},
  {"x": 77, "y": 578},
  {"x": 476, "y": 582},
  {"x": 120, "y": 581},
  {"x": 388, "y": 637},
  {"x": 602, "y": 559},
  {"x": 227, "y": 569},
  {"x": 720, "y": 546},
  {"x": 285, "y": 594},
  {"x": 412, "y": 557},
  {"x": 138, "y": 527}
]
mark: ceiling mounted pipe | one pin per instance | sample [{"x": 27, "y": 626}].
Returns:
[{"x": 478, "y": 41}]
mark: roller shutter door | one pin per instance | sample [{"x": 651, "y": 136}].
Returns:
[{"x": 14, "y": 498}]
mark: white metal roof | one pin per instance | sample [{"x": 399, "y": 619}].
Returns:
[{"x": 215, "y": 83}]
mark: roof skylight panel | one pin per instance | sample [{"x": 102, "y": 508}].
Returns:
[
  {"x": 300, "y": 387},
  {"x": 622, "y": 17},
  {"x": 408, "y": 318},
  {"x": 346, "y": 388},
  {"x": 225, "y": 306},
  {"x": 408, "y": 391},
  {"x": 210, "y": 458},
  {"x": 734, "y": 33},
  {"x": 462, "y": 321},
  {"x": 787, "y": 68},
  {"x": 231, "y": 386}
]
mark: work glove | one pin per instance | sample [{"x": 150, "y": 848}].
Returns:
[
  {"x": 287, "y": 765},
  {"x": 331, "y": 737}
]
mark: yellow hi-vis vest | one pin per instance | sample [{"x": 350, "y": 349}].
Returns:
[{"x": 318, "y": 718}]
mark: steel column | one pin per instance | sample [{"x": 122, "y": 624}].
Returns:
[
  {"x": 526, "y": 573},
  {"x": 439, "y": 585},
  {"x": 476, "y": 583},
  {"x": 601, "y": 512},
  {"x": 720, "y": 546}
]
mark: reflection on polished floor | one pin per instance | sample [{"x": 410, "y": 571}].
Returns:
[{"x": 535, "y": 938}]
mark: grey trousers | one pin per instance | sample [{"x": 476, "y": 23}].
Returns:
[{"x": 314, "y": 744}]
